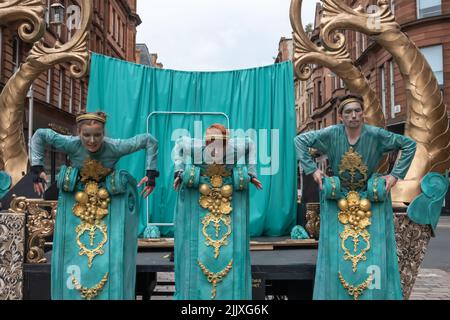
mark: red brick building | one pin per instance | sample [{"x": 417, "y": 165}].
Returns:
[{"x": 56, "y": 97}]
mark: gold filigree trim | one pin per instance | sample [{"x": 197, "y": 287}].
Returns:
[
  {"x": 215, "y": 278},
  {"x": 98, "y": 250},
  {"x": 353, "y": 171},
  {"x": 93, "y": 170},
  {"x": 355, "y": 215},
  {"x": 217, "y": 200},
  {"x": 357, "y": 291},
  {"x": 217, "y": 170},
  {"x": 90, "y": 293}
]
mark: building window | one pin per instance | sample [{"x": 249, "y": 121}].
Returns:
[
  {"x": 383, "y": 89},
  {"x": 16, "y": 57},
  {"x": 320, "y": 96},
  {"x": 49, "y": 87},
  {"x": 428, "y": 8},
  {"x": 392, "y": 6},
  {"x": 311, "y": 108},
  {"x": 357, "y": 44},
  {"x": 71, "y": 89},
  {"x": 61, "y": 88},
  {"x": 80, "y": 105},
  {"x": 392, "y": 87},
  {"x": 435, "y": 59}
]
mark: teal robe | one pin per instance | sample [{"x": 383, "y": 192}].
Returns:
[
  {"x": 382, "y": 258},
  {"x": 119, "y": 257},
  {"x": 190, "y": 247}
]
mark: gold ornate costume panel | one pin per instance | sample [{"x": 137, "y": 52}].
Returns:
[
  {"x": 217, "y": 199},
  {"x": 91, "y": 208}
]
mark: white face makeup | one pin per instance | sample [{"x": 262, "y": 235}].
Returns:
[
  {"x": 352, "y": 115},
  {"x": 92, "y": 136}
]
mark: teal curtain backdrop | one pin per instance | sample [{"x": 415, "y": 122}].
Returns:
[{"x": 258, "y": 98}]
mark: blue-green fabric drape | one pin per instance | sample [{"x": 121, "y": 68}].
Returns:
[{"x": 259, "y": 98}]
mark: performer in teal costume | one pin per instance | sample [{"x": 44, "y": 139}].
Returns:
[
  {"x": 212, "y": 254},
  {"x": 357, "y": 256},
  {"x": 95, "y": 236}
]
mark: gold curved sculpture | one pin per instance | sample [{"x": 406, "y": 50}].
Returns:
[
  {"x": 30, "y": 11},
  {"x": 339, "y": 61},
  {"x": 13, "y": 154},
  {"x": 427, "y": 121}
]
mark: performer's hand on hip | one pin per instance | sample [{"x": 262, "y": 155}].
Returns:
[
  {"x": 257, "y": 183},
  {"x": 391, "y": 181},
  {"x": 176, "y": 183},
  {"x": 318, "y": 176},
  {"x": 148, "y": 188}
]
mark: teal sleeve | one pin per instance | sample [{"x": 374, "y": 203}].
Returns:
[
  {"x": 139, "y": 142},
  {"x": 251, "y": 157},
  {"x": 395, "y": 142},
  {"x": 305, "y": 141},
  {"x": 178, "y": 155},
  {"x": 44, "y": 137}
]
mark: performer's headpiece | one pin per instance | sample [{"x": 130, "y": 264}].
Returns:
[
  {"x": 213, "y": 137},
  {"x": 97, "y": 116},
  {"x": 348, "y": 100},
  {"x": 220, "y": 133}
]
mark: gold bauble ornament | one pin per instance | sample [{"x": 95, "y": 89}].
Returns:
[
  {"x": 205, "y": 189},
  {"x": 343, "y": 204},
  {"x": 226, "y": 191},
  {"x": 365, "y": 205},
  {"x": 103, "y": 194},
  {"x": 81, "y": 197}
]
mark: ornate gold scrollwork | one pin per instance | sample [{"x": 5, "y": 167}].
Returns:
[
  {"x": 40, "y": 224},
  {"x": 90, "y": 293},
  {"x": 217, "y": 200},
  {"x": 357, "y": 291},
  {"x": 355, "y": 215},
  {"x": 92, "y": 207},
  {"x": 352, "y": 170},
  {"x": 215, "y": 278},
  {"x": 13, "y": 151},
  {"x": 313, "y": 219}
]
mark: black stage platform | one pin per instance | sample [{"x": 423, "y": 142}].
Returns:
[{"x": 282, "y": 273}]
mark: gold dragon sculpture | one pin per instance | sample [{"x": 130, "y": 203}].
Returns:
[{"x": 13, "y": 151}]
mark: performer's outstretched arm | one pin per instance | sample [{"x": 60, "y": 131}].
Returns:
[
  {"x": 179, "y": 162},
  {"x": 42, "y": 138},
  {"x": 251, "y": 163}
]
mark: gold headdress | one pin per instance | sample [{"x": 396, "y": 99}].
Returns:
[
  {"x": 92, "y": 116},
  {"x": 346, "y": 102},
  {"x": 213, "y": 137}
]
